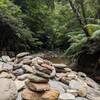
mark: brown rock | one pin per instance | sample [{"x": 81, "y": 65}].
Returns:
[
  {"x": 39, "y": 87},
  {"x": 42, "y": 69},
  {"x": 47, "y": 66},
  {"x": 30, "y": 95},
  {"x": 50, "y": 95},
  {"x": 82, "y": 92}
]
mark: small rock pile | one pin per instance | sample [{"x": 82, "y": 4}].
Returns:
[{"x": 26, "y": 77}]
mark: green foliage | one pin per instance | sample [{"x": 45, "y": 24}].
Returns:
[
  {"x": 77, "y": 42},
  {"x": 49, "y": 24},
  {"x": 96, "y": 35},
  {"x": 12, "y": 15},
  {"x": 92, "y": 28}
]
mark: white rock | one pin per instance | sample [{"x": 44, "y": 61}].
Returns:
[
  {"x": 66, "y": 96},
  {"x": 22, "y": 54},
  {"x": 8, "y": 89},
  {"x": 77, "y": 84},
  {"x": 60, "y": 65},
  {"x": 19, "y": 84},
  {"x": 6, "y": 58}
]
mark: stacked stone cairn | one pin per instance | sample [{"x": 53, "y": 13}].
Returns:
[{"x": 26, "y": 77}]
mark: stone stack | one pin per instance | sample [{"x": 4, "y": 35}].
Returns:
[{"x": 26, "y": 77}]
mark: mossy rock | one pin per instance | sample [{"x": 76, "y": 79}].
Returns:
[
  {"x": 96, "y": 35},
  {"x": 92, "y": 28}
]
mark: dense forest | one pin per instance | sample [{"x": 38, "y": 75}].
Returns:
[{"x": 47, "y": 24}]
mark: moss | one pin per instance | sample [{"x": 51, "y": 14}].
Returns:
[{"x": 92, "y": 28}]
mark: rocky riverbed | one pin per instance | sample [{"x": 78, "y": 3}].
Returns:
[{"x": 25, "y": 77}]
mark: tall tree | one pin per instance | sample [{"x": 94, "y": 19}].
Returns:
[{"x": 80, "y": 18}]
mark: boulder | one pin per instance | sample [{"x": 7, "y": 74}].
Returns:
[{"x": 8, "y": 89}]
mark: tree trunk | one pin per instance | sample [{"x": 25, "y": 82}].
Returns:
[{"x": 79, "y": 17}]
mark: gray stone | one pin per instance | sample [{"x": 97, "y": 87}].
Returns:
[
  {"x": 19, "y": 84},
  {"x": 6, "y": 58},
  {"x": 81, "y": 98},
  {"x": 7, "y": 89},
  {"x": 27, "y": 68},
  {"x": 77, "y": 84},
  {"x": 58, "y": 86},
  {"x": 7, "y": 67},
  {"x": 17, "y": 66},
  {"x": 37, "y": 60},
  {"x": 66, "y": 96},
  {"x": 18, "y": 72},
  {"x": 82, "y": 75},
  {"x": 22, "y": 54},
  {"x": 93, "y": 94},
  {"x": 26, "y": 61},
  {"x": 41, "y": 74},
  {"x": 67, "y": 69},
  {"x": 59, "y": 65},
  {"x": 91, "y": 83},
  {"x": 19, "y": 97}
]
